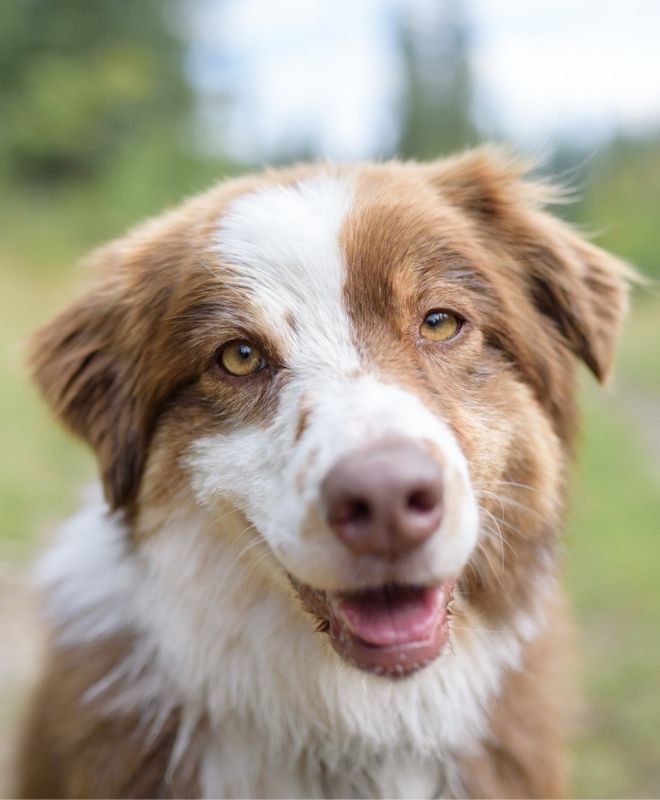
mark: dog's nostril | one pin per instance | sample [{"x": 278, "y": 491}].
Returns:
[
  {"x": 354, "y": 510},
  {"x": 422, "y": 500},
  {"x": 360, "y": 511}
]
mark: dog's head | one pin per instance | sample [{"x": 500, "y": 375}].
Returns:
[{"x": 370, "y": 369}]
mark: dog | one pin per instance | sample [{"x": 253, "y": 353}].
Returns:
[{"x": 334, "y": 408}]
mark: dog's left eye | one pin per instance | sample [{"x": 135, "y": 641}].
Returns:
[
  {"x": 439, "y": 326},
  {"x": 241, "y": 358}
]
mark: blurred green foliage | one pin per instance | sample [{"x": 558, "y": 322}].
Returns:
[
  {"x": 84, "y": 80},
  {"x": 622, "y": 197},
  {"x": 95, "y": 121},
  {"x": 96, "y": 132},
  {"x": 613, "y": 554}
]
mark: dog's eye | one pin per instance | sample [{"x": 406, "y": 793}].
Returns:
[
  {"x": 439, "y": 326},
  {"x": 241, "y": 358}
]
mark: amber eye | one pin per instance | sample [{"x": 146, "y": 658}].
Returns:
[
  {"x": 439, "y": 326},
  {"x": 241, "y": 358}
]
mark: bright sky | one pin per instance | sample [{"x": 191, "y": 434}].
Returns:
[{"x": 327, "y": 72}]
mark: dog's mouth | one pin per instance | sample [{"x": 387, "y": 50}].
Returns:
[{"x": 393, "y": 630}]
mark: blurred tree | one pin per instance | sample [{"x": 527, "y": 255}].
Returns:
[
  {"x": 437, "y": 91},
  {"x": 80, "y": 79}
]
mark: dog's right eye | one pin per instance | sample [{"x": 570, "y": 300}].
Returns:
[
  {"x": 241, "y": 358},
  {"x": 440, "y": 326}
]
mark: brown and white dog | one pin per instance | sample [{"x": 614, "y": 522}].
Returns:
[{"x": 333, "y": 409}]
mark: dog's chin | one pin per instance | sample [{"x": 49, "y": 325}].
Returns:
[{"x": 393, "y": 630}]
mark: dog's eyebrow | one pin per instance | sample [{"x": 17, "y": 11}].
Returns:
[
  {"x": 217, "y": 312},
  {"x": 446, "y": 263},
  {"x": 433, "y": 253},
  {"x": 466, "y": 275}
]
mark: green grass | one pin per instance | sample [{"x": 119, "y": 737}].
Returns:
[
  {"x": 41, "y": 465},
  {"x": 613, "y": 555},
  {"x": 613, "y": 543},
  {"x": 613, "y": 563},
  {"x": 639, "y": 354}
]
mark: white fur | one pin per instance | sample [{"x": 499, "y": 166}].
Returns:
[
  {"x": 275, "y": 481},
  {"x": 240, "y": 651},
  {"x": 280, "y": 245},
  {"x": 86, "y": 601}
]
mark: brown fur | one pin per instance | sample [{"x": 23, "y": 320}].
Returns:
[
  {"x": 540, "y": 296},
  {"x": 131, "y": 369},
  {"x": 484, "y": 249},
  {"x": 74, "y": 747},
  {"x": 148, "y": 327},
  {"x": 525, "y": 754},
  {"x": 301, "y": 425}
]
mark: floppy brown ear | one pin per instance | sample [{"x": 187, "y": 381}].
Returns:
[
  {"x": 488, "y": 183},
  {"x": 91, "y": 384},
  {"x": 94, "y": 362},
  {"x": 580, "y": 288}
]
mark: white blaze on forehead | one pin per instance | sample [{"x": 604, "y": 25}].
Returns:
[{"x": 280, "y": 248}]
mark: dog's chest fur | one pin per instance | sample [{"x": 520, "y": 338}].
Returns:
[
  {"x": 226, "y": 656},
  {"x": 237, "y": 764}
]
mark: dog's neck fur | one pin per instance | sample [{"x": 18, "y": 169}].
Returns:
[{"x": 214, "y": 638}]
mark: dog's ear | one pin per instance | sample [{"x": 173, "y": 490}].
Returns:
[
  {"x": 580, "y": 288},
  {"x": 488, "y": 183},
  {"x": 92, "y": 364}
]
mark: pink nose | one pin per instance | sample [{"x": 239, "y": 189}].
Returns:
[{"x": 384, "y": 500}]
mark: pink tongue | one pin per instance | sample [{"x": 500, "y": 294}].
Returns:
[{"x": 397, "y": 616}]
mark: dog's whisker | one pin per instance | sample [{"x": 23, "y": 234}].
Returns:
[
  {"x": 505, "y": 500},
  {"x": 504, "y": 521},
  {"x": 502, "y": 541},
  {"x": 250, "y": 546},
  {"x": 485, "y": 493},
  {"x": 259, "y": 560},
  {"x": 313, "y": 656},
  {"x": 473, "y": 568},
  {"x": 243, "y": 532},
  {"x": 515, "y": 529},
  {"x": 476, "y": 630},
  {"x": 497, "y": 573},
  {"x": 522, "y": 486},
  {"x": 499, "y": 534},
  {"x": 498, "y": 529}
]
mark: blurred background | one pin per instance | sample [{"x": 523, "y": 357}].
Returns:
[{"x": 111, "y": 110}]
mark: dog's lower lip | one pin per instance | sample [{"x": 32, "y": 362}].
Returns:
[
  {"x": 392, "y": 616},
  {"x": 392, "y": 630}
]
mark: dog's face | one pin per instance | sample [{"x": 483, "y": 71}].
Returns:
[{"x": 369, "y": 369}]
